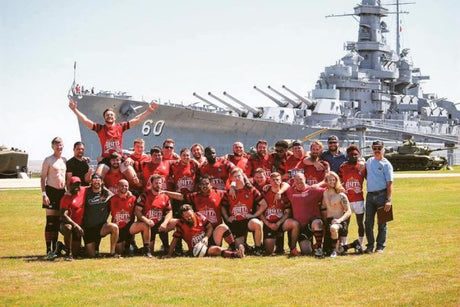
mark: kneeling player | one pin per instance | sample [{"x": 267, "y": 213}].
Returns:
[
  {"x": 337, "y": 211},
  {"x": 194, "y": 228},
  {"x": 72, "y": 208},
  {"x": 122, "y": 211},
  {"x": 154, "y": 216},
  {"x": 276, "y": 218}
]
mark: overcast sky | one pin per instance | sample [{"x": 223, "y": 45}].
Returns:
[{"x": 170, "y": 49}]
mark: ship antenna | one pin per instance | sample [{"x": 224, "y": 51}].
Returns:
[{"x": 74, "y": 71}]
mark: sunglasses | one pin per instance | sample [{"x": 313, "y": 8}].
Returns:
[
  {"x": 279, "y": 150},
  {"x": 333, "y": 142},
  {"x": 169, "y": 147},
  {"x": 377, "y": 148}
]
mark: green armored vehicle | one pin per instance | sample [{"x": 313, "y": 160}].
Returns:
[{"x": 410, "y": 156}]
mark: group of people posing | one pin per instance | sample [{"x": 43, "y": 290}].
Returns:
[{"x": 205, "y": 199}]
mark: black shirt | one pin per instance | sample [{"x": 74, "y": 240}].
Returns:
[{"x": 78, "y": 168}]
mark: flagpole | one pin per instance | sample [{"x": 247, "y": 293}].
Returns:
[{"x": 398, "y": 46}]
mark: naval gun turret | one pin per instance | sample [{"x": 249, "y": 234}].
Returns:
[
  {"x": 254, "y": 111},
  {"x": 278, "y": 102}
]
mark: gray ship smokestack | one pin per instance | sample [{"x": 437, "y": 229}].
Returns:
[
  {"x": 242, "y": 113},
  {"x": 206, "y": 101},
  {"x": 292, "y": 102},
  {"x": 281, "y": 104},
  {"x": 307, "y": 101},
  {"x": 256, "y": 112}
]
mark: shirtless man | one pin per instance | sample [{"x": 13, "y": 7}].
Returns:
[
  {"x": 52, "y": 182},
  {"x": 111, "y": 135},
  {"x": 337, "y": 211}
]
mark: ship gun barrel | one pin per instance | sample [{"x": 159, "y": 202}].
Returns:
[
  {"x": 292, "y": 102},
  {"x": 242, "y": 113},
  {"x": 280, "y": 103},
  {"x": 256, "y": 112},
  {"x": 307, "y": 101},
  {"x": 206, "y": 101}
]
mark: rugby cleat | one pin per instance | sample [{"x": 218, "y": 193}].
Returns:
[
  {"x": 240, "y": 251},
  {"x": 333, "y": 254},
  {"x": 357, "y": 246},
  {"x": 51, "y": 256},
  {"x": 319, "y": 252}
]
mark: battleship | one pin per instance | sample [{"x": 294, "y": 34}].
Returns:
[{"x": 372, "y": 92}]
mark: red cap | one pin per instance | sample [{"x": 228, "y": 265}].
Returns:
[{"x": 75, "y": 179}]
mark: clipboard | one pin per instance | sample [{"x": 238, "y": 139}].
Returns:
[{"x": 383, "y": 216}]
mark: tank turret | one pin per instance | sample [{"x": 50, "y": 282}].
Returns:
[{"x": 410, "y": 156}]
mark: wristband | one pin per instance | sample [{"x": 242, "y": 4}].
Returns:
[
  {"x": 388, "y": 199},
  {"x": 43, "y": 193}
]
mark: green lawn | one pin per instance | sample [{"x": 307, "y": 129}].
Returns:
[{"x": 420, "y": 266}]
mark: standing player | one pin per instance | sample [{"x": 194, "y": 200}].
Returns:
[
  {"x": 305, "y": 203},
  {"x": 261, "y": 159},
  {"x": 156, "y": 165},
  {"x": 218, "y": 169},
  {"x": 237, "y": 211},
  {"x": 78, "y": 165},
  {"x": 337, "y": 211},
  {"x": 352, "y": 178},
  {"x": 198, "y": 153},
  {"x": 111, "y": 134},
  {"x": 379, "y": 191},
  {"x": 194, "y": 228},
  {"x": 293, "y": 164},
  {"x": 276, "y": 218},
  {"x": 168, "y": 150},
  {"x": 280, "y": 156},
  {"x": 239, "y": 158},
  {"x": 52, "y": 182},
  {"x": 72, "y": 210},
  {"x": 333, "y": 155},
  {"x": 314, "y": 168},
  {"x": 122, "y": 211}
]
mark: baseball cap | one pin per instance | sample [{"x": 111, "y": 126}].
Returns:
[
  {"x": 377, "y": 143},
  {"x": 75, "y": 179},
  {"x": 333, "y": 138},
  {"x": 296, "y": 143}
]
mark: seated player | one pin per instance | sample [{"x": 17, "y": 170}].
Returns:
[
  {"x": 276, "y": 218},
  {"x": 237, "y": 211},
  {"x": 194, "y": 228},
  {"x": 72, "y": 209}
]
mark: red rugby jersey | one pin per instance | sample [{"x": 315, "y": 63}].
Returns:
[
  {"x": 191, "y": 234},
  {"x": 122, "y": 209},
  {"x": 208, "y": 205},
  {"x": 243, "y": 204},
  {"x": 218, "y": 172},
  {"x": 75, "y": 204},
  {"x": 352, "y": 180},
  {"x": 154, "y": 207},
  {"x": 183, "y": 175},
  {"x": 111, "y": 138},
  {"x": 275, "y": 208}
]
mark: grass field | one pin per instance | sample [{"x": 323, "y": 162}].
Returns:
[{"x": 420, "y": 266}]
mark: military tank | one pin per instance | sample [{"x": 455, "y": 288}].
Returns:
[{"x": 410, "y": 156}]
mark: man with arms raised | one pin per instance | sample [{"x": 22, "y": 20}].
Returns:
[
  {"x": 72, "y": 209},
  {"x": 52, "y": 182},
  {"x": 337, "y": 211},
  {"x": 237, "y": 211},
  {"x": 305, "y": 203},
  {"x": 194, "y": 228},
  {"x": 95, "y": 224},
  {"x": 379, "y": 191},
  {"x": 111, "y": 134},
  {"x": 276, "y": 218}
]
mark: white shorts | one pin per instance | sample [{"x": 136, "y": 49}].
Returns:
[{"x": 357, "y": 207}]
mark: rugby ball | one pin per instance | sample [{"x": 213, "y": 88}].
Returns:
[{"x": 199, "y": 250}]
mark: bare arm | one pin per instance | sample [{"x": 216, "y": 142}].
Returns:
[
  {"x": 164, "y": 225},
  {"x": 174, "y": 195},
  {"x": 389, "y": 193},
  {"x": 172, "y": 247},
  {"x": 346, "y": 207},
  {"x": 261, "y": 209},
  {"x": 136, "y": 120},
  {"x": 44, "y": 174},
  {"x": 142, "y": 218},
  {"x": 81, "y": 117}
]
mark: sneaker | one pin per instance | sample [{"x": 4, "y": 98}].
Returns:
[
  {"x": 147, "y": 253},
  {"x": 319, "y": 252},
  {"x": 68, "y": 258},
  {"x": 51, "y": 256},
  {"x": 357, "y": 246},
  {"x": 258, "y": 251},
  {"x": 379, "y": 250},
  {"x": 369, "y": 250},
  {"x": 333, "y": 254},
  {"x": 61, "y": 250},
  {"x": 294, "y": 252},
  {"x": 118, "y": 256},
  {"x": 240, "y": 251}
]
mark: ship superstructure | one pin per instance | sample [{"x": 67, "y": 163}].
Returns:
[{"x": 371, "y": 92}]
